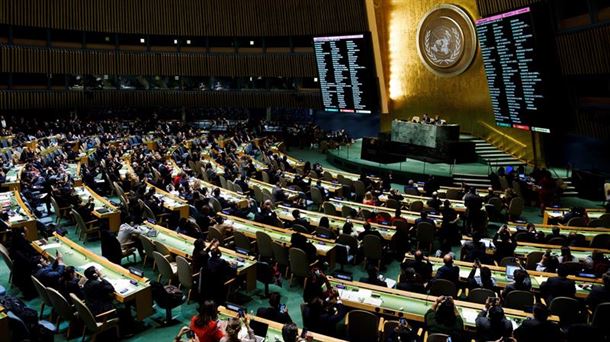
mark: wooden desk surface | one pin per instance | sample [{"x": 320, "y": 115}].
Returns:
[
  {"x": 127, "y": 286},
  {"x": 410, "y": 216},
  {"x": 410, "y": 305}
]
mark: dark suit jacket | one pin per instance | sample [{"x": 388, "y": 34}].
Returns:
[
  {"x": 598, "y": 295},
  {"x": 98, "y": 295},
  {"x": 422, "y": 268},
  {"x": 535, "y": 330},
  {"x": 451, "y": 273},
  {"x": 558, "y": 287}
]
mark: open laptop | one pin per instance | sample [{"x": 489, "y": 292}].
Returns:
[
  {"x": 510, "y": 271},
  {"x": 259, "y": 329}
]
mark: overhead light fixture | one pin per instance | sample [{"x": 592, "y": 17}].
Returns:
[
  {"x": 175, "y": 41},
  {"x": 142, "y": 40},
  {"x": 107, "y": 38},
  {"x": 251, "y": 42},
  {"x": 188, "y": 42},
  {"x": 315, "y": 79},
  {"x": 177, "y": 78}
]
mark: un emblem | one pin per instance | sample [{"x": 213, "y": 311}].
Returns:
[{"x": 446, "y": 40}]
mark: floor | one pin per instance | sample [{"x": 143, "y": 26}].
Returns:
[{"x": 291, "y": 296}]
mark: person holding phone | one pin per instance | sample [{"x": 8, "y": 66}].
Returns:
[
  {"x": 402, "y": 333},
  {"x": 444, "y": 318},
  {"x": 188, "y": 333},
  {"x": 276, "y": 311},
  {"x": 234, "y": 329},
  {"x": 491, "y": 322}
]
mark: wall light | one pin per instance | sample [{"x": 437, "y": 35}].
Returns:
[
  {"x": 251, "y": 42},
  {"x": 142, "y": 40},
  {"x": 188, "y": 42}
]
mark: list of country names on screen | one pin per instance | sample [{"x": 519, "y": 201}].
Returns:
[
  {"x": 515, "y": 83},
  {"x": 342, "y": 72}
]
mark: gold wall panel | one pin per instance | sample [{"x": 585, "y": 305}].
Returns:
[{"x": 414, "y": 90}]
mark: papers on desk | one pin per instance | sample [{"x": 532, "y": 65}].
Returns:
[
  {"x": 360, "y": 296},
  {"x": 15, "y": 218},
  {"x": 391, "y": 282},
  {"x": 121, "y": 286},
  {"x": 469, "y": 315},
  {"x": 50, "y": 246},
  {"x": 82, "y": 268}
]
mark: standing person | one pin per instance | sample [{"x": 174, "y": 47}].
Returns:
[
  {"x": 205, "y": 324},
  {"x": 505, "y": 244}
]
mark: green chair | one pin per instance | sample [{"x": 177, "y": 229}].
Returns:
[
  {"x": 281, "y": 256},
  {"x": 392, "y": 203},
  {"x": 42, "y": 293},
  {"x": 479, "y": 295},
  {"x": 416, "y": 206},
  {"x": 372, "y": 249},
  {"x": 329, "y": 209},
  {"x": 362, "y": 326},
  {"x": 442, "y": 287},
  {"x": 185, "y": 276},
  {"x": 242, "y": 242},
  {"x": 91, "y": 322},
  {"x": 299, "y": 264},
  {"x": 60, "y": 212},
  {"x": 85, "y": 229},
  {"x": 61, "y": 307},
  {"x": 532, "y": 259},
  {"x": 9, "y": 263},
  {"x": 167, "y": 271},
  {"x": 519, "y": 300},
  {"x": 149, "y": 248},
  {"x": 569, "y": 310},
  {"x": 601, "y": 241},
  {"x": 316, "y": 197},
  {"x": 515, "y": 208},
  {"x": 264, "y": 245}
]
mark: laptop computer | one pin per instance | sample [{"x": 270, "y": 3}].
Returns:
[
  {"x": 259, "y": 329},
  {"x": 510, "y": 271}
]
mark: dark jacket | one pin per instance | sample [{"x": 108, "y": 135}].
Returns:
[
  {"x": 98, "y": 295},
  {"x": 558, "y": 287},
  {"x": 535, "y": 330},
  {"x": 598, "y": 295},
  {"x": 488, "y": 332},
  {"x": 451, "y": 273}
]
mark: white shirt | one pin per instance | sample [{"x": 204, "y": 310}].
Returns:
[{"x": 126, "y": 231}]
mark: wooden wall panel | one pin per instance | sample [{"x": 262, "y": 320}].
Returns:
[
  {"x": 191, "y": 17},
  {"x": 572, "y": 47},
  {"x": 20, "y": 100}
]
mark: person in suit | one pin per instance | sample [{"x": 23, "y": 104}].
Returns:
[
  {"x": 521, "y": 282},
  {"x": 275, "y": 311},
  {"x": 49, "y": 274},
  {"x": 423, "y": 269},
  {"x": 443, "y": 318},
  {"x": 599, "y": 294},
  {"x": 297, "y": 219},
  {"x": 98, "y": 292},
  {"x": 68, "y": 283},
  {"x": 299, "y": 241},
  {"x": 434, "y": 202},
  {"x": 407, "y": 281},
  {"x": 449, "y": 271},
  {"x": 216, "y": 273},
  {"x": 368, "y": 231},
  {"x": 423, "y": 217},
  {"x": 491, "y": 322},
  {"x": 559, "y": 286},
  {"x": 538, "y": 328}
]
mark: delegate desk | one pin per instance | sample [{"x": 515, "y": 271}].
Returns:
[
  {"x": 19, "y": 215},
  {"x": 457, "y": 205},
  {"x": 588, "y": 232},
  {"x": 13, "y": 178},
  {"x": 583, "y": 285},
  {"x": 331, "y": 187},
  {"x": 524, "y": 248},
  {"x": 422, "y": 134},
  {"x": 324, "y": 247},
  {"x": 409, "y": 305},
  {"x": 410, "y": 216},
  {"x": 170, "y": 201},
  {"x": 241, "y": 201},
  {"x": 336, "y": 222},
  {"x": 554, "y": 213},
  {"x": 128, "y": 287},
  {"x": 274, "y": 332},
  {"x": 268, "y": 187},
  {"x": 182, "y": 245},
  {"x": 102, "y": 208}
]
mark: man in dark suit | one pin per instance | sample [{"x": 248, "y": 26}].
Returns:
[
  {"x": 559, "y": 286},
  {"x": 423, "y": 269},
  {"x": 538, "y": 328},
  {"x": 368, "y": 231},
  {"x": 449, "y": 271},
  {"x": 275, "y": 312},
  {"x": 599, "y": 294},
  {"x": 424, "y": 218},
  {"x": 297, "y": 219},
  {"x": 98, "y": 292}
]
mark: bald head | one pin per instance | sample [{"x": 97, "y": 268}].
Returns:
[
  {"x": 419, "y": 255},
  {"x": 448, "y": 259}
]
